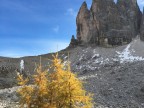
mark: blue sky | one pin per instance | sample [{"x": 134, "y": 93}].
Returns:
[{"x": 33, "y": 27}]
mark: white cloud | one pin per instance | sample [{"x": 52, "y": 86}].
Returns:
[
  {"x": 72, "y": 12},
  {"x": 56, "y": 29}
]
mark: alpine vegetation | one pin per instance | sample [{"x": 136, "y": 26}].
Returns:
[{"x": 59, "y": 88}]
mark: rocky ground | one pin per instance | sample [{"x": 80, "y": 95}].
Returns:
[
  {"x": 113, "y": 86},
  {"x": 118, "y": 86},
  {"x": 114, "y": 75},
  {"x": 9, "y": 98}
]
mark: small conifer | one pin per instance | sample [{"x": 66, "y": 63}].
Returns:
[{"x": 58, "y": 89}]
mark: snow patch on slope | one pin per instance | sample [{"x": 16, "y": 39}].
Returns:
[
  {"x": 126, "y": 56},
  {"x": 88, "y": 77},
  {"x": 91, "y": 59}
]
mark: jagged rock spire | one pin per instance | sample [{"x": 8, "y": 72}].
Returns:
[
  {"x": 83, "y": 6},
  {"x": 107, "y": 22},
  {"x": 128, "y": 2},
  {"x": 73, "y": 42},
  {"x": 83, "y": 10},
  {"x": 82, "y": 21},
  {"x": 134, "y": 1},
  {"x": 142, "y": 27},
  {"x": 143, "y": 10}
]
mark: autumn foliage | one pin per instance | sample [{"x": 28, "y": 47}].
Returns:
[{"x": 58, "y": 89}]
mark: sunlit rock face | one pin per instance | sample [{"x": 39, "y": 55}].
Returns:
[
  {"x": 108, "y": 23},
  {"x": 83, "y": 23}
]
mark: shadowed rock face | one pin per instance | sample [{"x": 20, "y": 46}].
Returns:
[
  {"x": 107, "y": 23},
  {"x": 142, "y": 27},
  {"x": 73, "y": 42}
]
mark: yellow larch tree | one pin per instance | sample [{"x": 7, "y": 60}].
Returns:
[
  {"x": 59, "y": 88},
  {"x": 69, "y": 88}
]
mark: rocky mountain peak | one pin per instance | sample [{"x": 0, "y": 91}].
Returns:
[
  {"x": 98, "y": 5},
  {"x": 82, "y": 21},
  {"x": 129, "y": 4},
  {"x": 127, "y": 1},
  {"x": 83, "y": 7},
  {"x": 108, "y": 23},
  {"x": 84, "y": 4},
  {"x": 142, "y": 27},
  {"x": 143, "y": 10},
  {"x": 134, "y": 1}
]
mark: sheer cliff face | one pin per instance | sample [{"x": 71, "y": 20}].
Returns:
[
  {"x": 83, "y": 20},
  {"x": 142, "y": 27},
  {"x": 107, "y": 22}
]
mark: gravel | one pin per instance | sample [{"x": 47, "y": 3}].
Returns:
[{"x": 114, "y": 75}]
